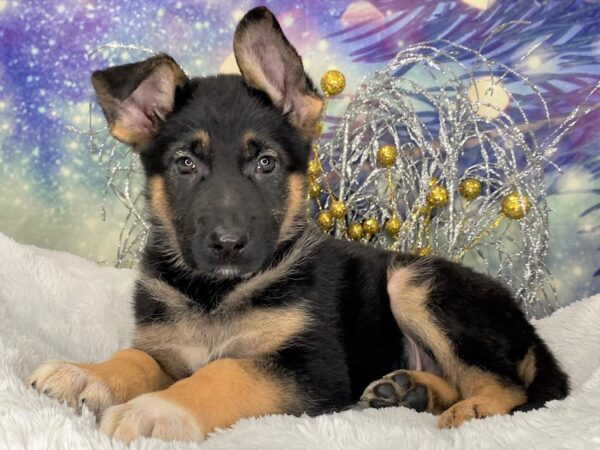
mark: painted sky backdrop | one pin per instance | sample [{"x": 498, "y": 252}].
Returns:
[{"x": 51, "y": 186}]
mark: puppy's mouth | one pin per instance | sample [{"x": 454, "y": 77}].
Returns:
[{"x": 230, "y": 272}]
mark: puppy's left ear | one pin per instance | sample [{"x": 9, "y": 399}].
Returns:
[
  {"x": 268, "y": 62},
  {"x": 136, "y": 98}
]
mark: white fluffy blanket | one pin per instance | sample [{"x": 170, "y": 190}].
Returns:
[{"x": 58, "y": 306}]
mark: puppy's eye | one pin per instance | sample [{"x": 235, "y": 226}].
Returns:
[
  {"x": 265, "y": 164},
  {"x": 185, "y": 165}
]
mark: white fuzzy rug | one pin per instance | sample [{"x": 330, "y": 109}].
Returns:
[{"x": 58, "y": 306}]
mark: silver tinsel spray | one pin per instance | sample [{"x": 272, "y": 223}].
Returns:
[
  {"x": 428, "y": 160},
  {"x": 124, "y": 174},
  {"x": 427, "y": 142}
]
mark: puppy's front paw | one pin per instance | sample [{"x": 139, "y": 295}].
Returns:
[
  {"x": 69, "y": 383},
  {"x": 150, "y": 415}
]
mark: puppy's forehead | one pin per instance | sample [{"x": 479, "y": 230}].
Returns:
[
  {"x": 222, "y": 116},
  {"x": 246, "y": 138},
  {"x": 227, "y": 101}
]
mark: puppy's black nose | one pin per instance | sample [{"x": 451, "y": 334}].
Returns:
[{"x": 227, "y": 242}]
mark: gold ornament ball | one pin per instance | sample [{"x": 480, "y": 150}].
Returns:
[
  {"x": 371, "y": 226},
  {"x": 314, "y": 190},
  {"x": 355, "y": 231},
  {"x": 512, "y": 207},
  {"x": 437, "y": 196},
  {"x": 314, "y": 168},
  {"x": 325, "y": 220},
  {"x": 392, "y": 226},
  {"x": 386, "y": 155},
  {"x": 333, "y": 82},
  {"x": 469, "y": 188},
  {"x": 338, "y": 209}
]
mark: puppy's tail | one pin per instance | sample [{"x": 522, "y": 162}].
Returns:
[{"x": 549, "y": 380}]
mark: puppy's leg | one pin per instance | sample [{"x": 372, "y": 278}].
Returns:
[
  {"x": 216, "y": 395},
  {"x": 464, "y": 336},
  {"x": 126, "y": 375},
  {"x": 421, "y": 391}
]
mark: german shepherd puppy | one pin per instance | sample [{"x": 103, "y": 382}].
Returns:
[{"x": 244, "y": 309}]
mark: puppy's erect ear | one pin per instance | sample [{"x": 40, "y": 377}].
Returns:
[
  {"x": 268, "y": 62},
  {"x": 136, "y": 98}
]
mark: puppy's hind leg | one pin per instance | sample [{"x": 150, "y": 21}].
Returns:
[{"x": 440, "y": 320}]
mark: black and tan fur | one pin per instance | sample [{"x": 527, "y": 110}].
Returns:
[{"x": 243, "y": 309}]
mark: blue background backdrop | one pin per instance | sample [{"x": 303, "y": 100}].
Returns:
[{"x": 51, "y": 186}]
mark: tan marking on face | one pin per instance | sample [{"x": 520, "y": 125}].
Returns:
[
  {"x": 527, "y": 367},
  {"x": 159, "y": 207},
  {"x": 248, "y": 137},
  {"x": 226, "y": 390},
  {"x": 190, "y": 340},
  {"x": 408, "y": 300},
  {"x": 158, "y": 200},
  {"x": 295, "y": 214},
  {"x": 203, "y": 138},
  {"x": 164, "y": 232}
]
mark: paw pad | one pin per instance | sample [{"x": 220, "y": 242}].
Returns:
[{"x": 396, "y": 389}]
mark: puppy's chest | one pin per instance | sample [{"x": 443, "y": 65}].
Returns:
[{"x": 189, "y": 341}]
